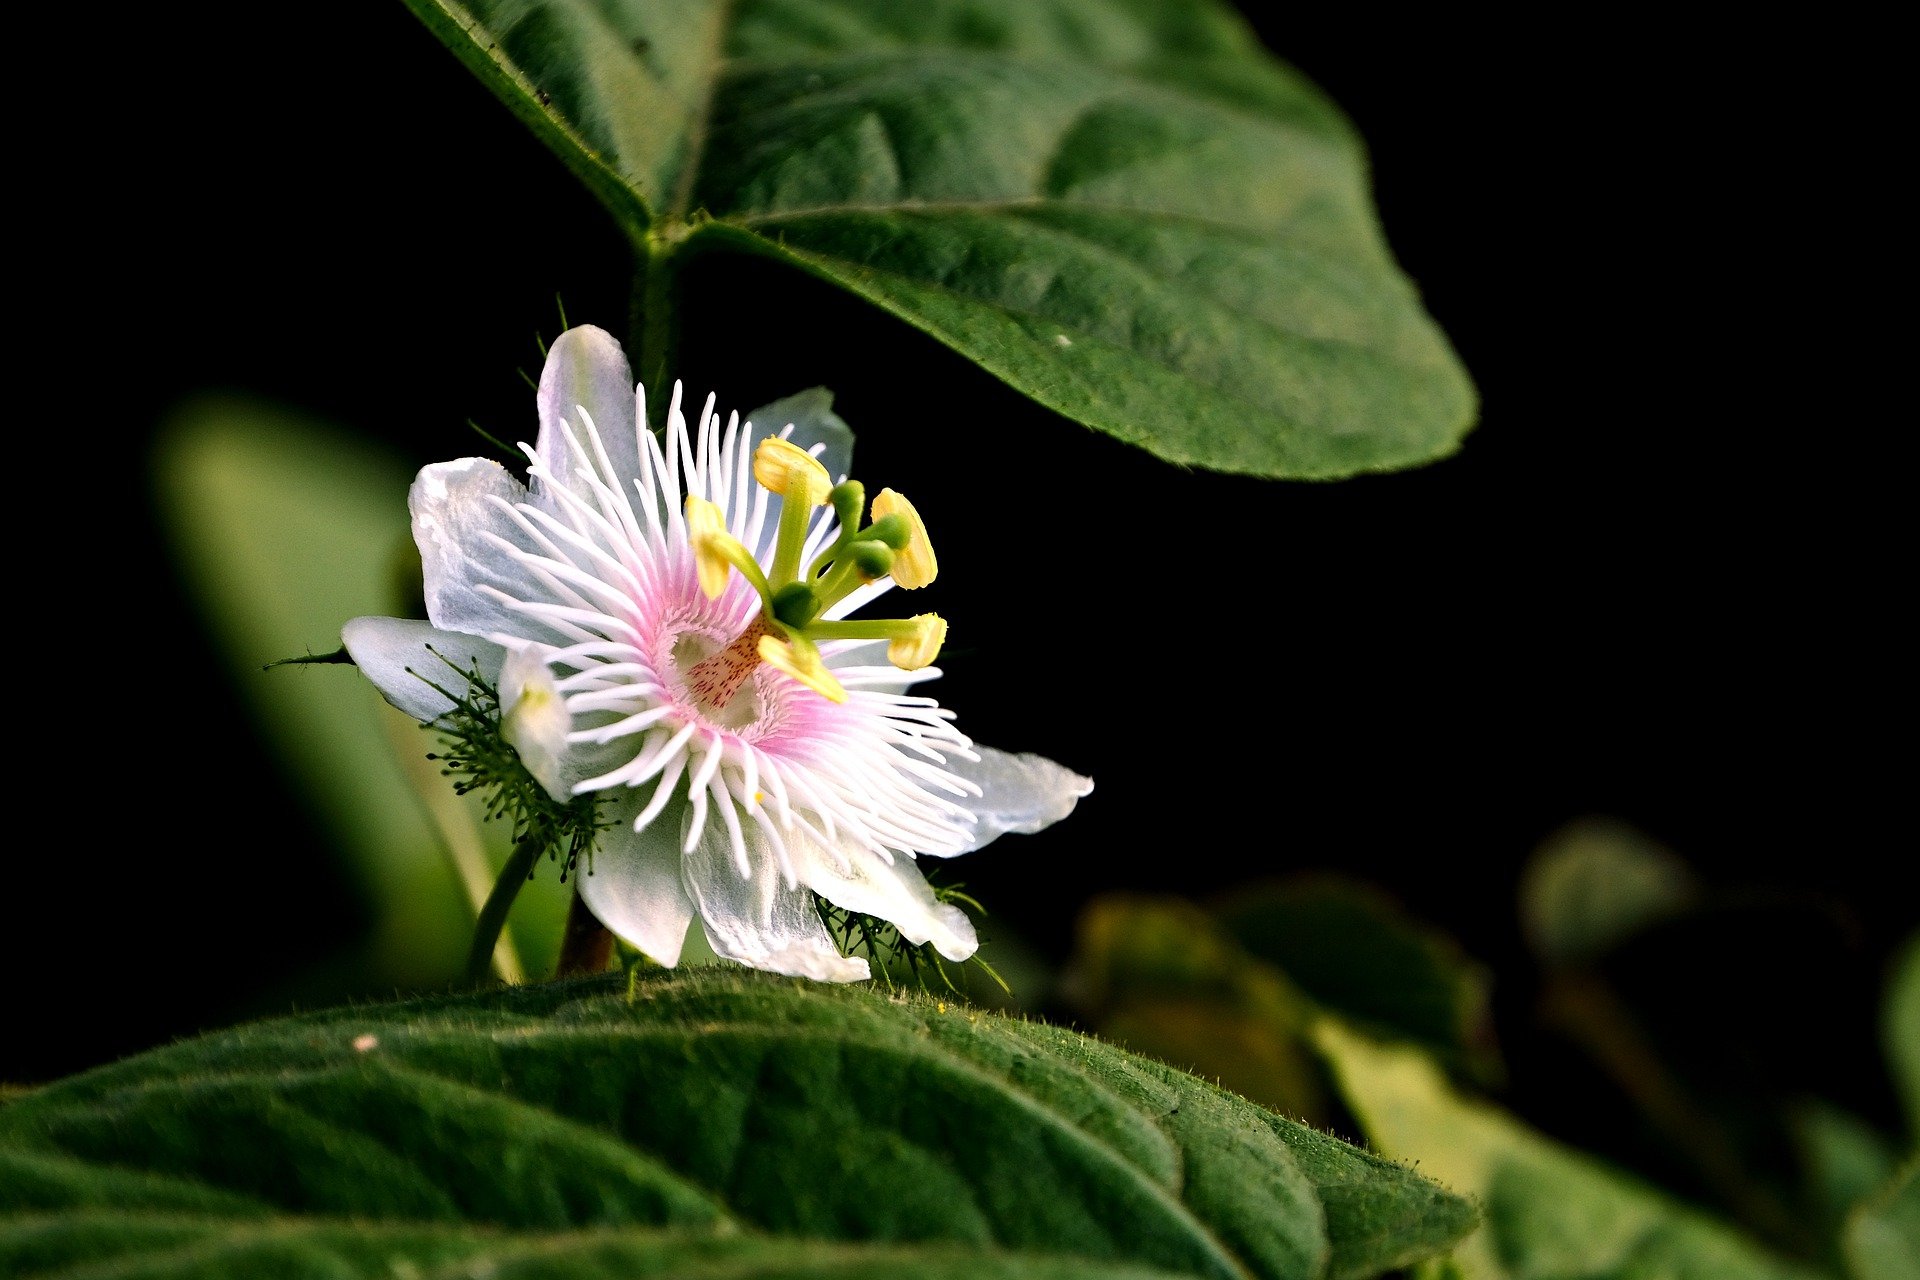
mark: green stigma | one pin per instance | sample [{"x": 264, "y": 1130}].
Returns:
[{"x": 794, "y": 597}]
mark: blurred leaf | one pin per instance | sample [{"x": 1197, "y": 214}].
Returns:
[
  {"x": 1901, "y": 1030},
  {"x": 1128, "y": 211},
  {"x": 1355, "y": 952},
  {"x": 1594, "y": 884},
  {"x": 1549, "y": 1212},
  {"x": 1846, "y": 1159},
  {"x": 1162, "y": 977},
  {"x": 1232, "y": 995},
  {"x": 1882, "y": 1241},
  {"x": 565, "y": 1129},
  {"x": 285, "y": 530}
]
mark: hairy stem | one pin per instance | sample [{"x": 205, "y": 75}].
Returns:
[
  {"x": 493, "y": 913},
  {"x": 653, "y": 327},
  {"x": 587, "y": 947}
]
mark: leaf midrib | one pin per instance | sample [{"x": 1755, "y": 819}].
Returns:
[
  {"x": 1253, "y": 237},
  {"x": 687, "y": 180},
  {"x": 718, "y": 66},
  {"x": 1132, "y": 84}
]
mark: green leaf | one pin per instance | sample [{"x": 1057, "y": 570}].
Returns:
[
  {"x": 1163, "y": 978},
  {"x": 137, "y": 1245},
  {"x": 1900, "y": 1029},
  {"x": 1232, "y": 995},
  {"x": 1355, "y": 952},
  {"x": 1846, "y": 1160},
  {"x": 285, "y": 530},
  {"x": 718, "y": 1122},
  {"x": 1595, "y": 884},
  {"x": 1882, "y": 1240},
  {"x": 1549, "y": 1212},
  {"x": 1127, "y": 210}
]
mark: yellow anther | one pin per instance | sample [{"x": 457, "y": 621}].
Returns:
[
  {"x": 803, "y": 665},
  {"x": 791, "y": 472},
  {"x": 706, "y": 527},
  {"x": 914, "y": 565},
  {"x": 917, "y": 648}
]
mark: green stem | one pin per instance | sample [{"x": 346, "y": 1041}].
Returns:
[
  {"x": 652, "y": 326},
  {"x": 493, "y": 914}
]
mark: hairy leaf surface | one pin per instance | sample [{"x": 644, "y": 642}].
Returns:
[
  {"x": 1127, "y": 210},
  {"x": 717, "y": 1121}
]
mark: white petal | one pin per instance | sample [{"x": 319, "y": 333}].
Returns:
[
  {"x": 814, "y": 423},
  {"x": 534, "y": 718},
  {"x": 400, "y": 656},
  {"x": 840, "y": 654},
  {"x": 1020, "y": 793},
  {"x": 635, "y": 888},
  {"x": 758, "y": 920},
  {"x": 586, "y": 369},
  {"x": 898, "y": 894},
  {"x": 453, "y": 510}
]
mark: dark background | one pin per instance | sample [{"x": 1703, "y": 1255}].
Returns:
[{"x": 1655, "y": 583}]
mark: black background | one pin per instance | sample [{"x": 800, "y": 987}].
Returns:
[{"x": 1656, "y": 582}]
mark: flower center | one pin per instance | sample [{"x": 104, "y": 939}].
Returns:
[
  {"x": 715, "y": 682},
  {"x": 796, "y": 598}
]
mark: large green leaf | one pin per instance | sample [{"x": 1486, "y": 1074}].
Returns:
[
  {"x": 1550, "y": 1213},
  {"x": 1125, "y": 208},
  {"x": 716, "y": 1118}
]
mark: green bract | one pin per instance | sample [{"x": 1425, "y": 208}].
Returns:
[
  {"x": 716, "y": 1121},
  {"x": 1128, "y": 211}
]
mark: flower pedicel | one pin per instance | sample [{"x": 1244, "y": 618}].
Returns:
[{"x": 667, "y": 626}]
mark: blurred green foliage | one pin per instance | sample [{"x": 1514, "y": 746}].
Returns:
[
  {"x": 1901, "y": 1031},
  {"x": 1595, "y": 884},
  {"x": 285, "y": 529},
  {"x": 1324, "y": 1000}
]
